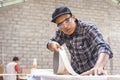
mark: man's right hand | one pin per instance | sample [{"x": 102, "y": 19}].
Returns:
[{"x": 54, "y": 46}]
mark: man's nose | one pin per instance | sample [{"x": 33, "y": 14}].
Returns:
[{"x": 65, "y": 25}]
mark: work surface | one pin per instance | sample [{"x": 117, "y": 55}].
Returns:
[{"x": 47, "y": 74}]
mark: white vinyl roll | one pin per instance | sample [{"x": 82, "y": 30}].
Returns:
[
  {"x": 61, "y": 62},
  {"x": 58, "y": 66}
]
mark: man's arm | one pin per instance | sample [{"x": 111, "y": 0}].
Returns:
[
  {"x": 17, "y": 68},
  {"x": 55, "y": 42},
  {"x": 103, "y": 50},
  {"x": 53, "y": 46},
  {"x": 100, "y": 64},
  {"x": 98, "y": 69}
]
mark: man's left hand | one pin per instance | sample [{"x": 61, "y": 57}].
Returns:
[{"x": 95, "y": 71}]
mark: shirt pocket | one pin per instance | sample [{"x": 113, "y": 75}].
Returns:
[{"x": 81, "y": 46}]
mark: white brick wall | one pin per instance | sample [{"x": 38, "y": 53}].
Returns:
[{"x": 25, "y": 29}]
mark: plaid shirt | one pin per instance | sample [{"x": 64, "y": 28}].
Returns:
[{"x": 84, "y": 45}]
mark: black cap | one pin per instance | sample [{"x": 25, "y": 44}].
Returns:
[{"x": 60, "y": 11}]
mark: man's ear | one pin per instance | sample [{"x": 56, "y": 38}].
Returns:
[{"x": 74, "y": 17}]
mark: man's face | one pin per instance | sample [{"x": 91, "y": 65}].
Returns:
[{"x": 66, "y": 23}]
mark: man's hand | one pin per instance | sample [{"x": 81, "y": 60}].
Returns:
[
  {"x": 98, "y": 69},
  {"x": 54, "y": 46},
  {"x": 95, "y": 71}
]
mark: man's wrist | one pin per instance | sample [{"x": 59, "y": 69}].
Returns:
[{"x": 49, "y": 45}]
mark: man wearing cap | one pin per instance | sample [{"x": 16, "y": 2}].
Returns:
[{"x": 88, "y": 50}]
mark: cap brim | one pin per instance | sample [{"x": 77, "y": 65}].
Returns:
[{"x": 53, "y": 20}]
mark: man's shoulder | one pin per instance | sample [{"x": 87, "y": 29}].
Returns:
[
  {"x": 11, "y": 63},
  {"x": 85, "y": 23}
]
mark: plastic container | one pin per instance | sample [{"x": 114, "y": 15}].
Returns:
[{"x": 34, "y": 63}]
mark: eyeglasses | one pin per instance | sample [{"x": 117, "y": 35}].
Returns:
[{"x": 59, "y": 25}]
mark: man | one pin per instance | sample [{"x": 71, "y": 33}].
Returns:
[
  {"x": 89, "y": 52},
  {"x": 12, "y": 69}
]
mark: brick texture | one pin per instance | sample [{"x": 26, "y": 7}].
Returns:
[{"x": 25, "y": 29}]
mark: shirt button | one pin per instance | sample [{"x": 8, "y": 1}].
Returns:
[{"x": 80, "y": 46}]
